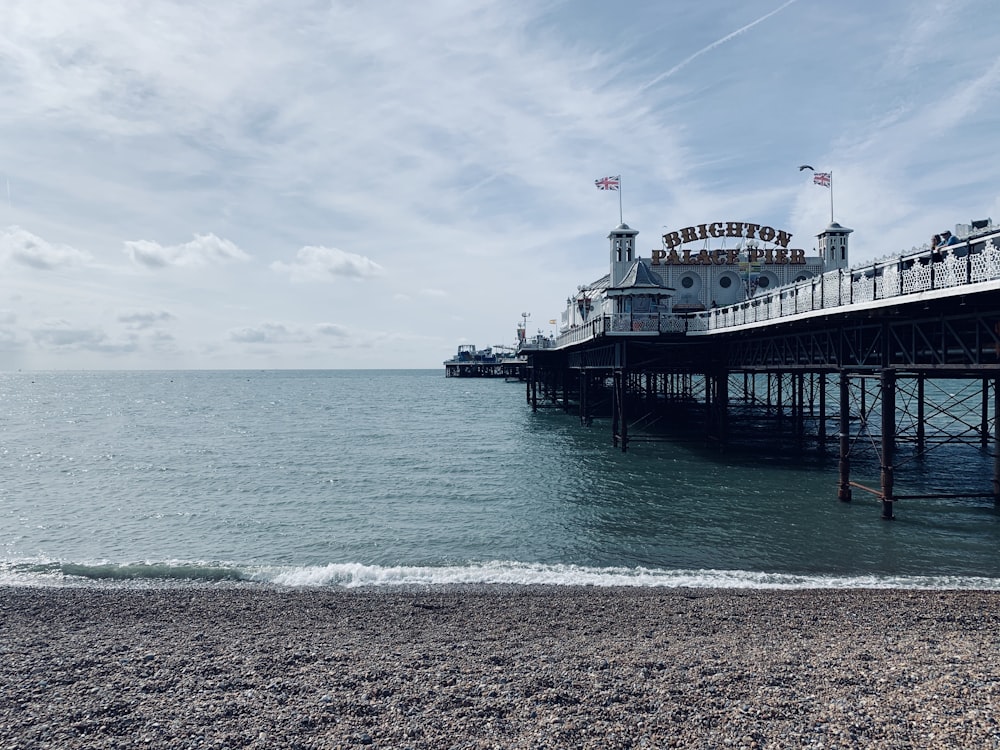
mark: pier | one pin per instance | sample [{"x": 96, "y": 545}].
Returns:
[
  {"x": 901, "y": 352},
  {"x": 493, "y": 362}
]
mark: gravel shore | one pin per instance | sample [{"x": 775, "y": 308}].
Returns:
[{"x": 498, "y": 667}]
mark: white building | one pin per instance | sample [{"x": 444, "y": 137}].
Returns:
[{"x": 699, "y": 267}]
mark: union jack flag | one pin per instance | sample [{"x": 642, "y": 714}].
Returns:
[
  {"x": 608, "y": 183},
  {"x": 822, "y": 178}
]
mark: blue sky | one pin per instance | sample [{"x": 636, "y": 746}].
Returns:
[{"x": 305, "y": 184}]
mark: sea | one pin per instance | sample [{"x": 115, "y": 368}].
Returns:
[{"x": 351, "y": 478}]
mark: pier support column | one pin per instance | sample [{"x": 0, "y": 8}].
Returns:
[
  {"x": 996, "y": 441},
  {"x": 584, "y": 406},
  {"x": 921, "y": 429},
  {"x": 619, "y": 421},
  {"x": 984, "y": 427},
  {"x": 888, "y": 440},
  {"x": 844, "y": 483},
  {"x": 799, "y": 407},
  {"x": 717, "y": 405},
  {"x": 822, "y": 410},
  {"x": 780, "y": 398}
]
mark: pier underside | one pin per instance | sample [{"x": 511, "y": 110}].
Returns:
[{"x": 894, "y": 387}]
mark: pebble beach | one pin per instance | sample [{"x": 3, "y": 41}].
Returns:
[{"x": 497, "y": 667}]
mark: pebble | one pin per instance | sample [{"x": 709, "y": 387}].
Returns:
[{"x": 498, "y": 666}]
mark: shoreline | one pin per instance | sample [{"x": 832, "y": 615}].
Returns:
[{"x": 498, "y": 665}]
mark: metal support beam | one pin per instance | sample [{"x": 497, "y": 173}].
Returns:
[
  {"x": 844, "y": 467},
  {"x": 996, "y": 441},
  {"x": 888, "y": 384}
]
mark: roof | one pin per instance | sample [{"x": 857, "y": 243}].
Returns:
[{"x": 640, "y": 279}]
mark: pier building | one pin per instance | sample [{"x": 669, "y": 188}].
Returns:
[{"x": 725, "y": 321}]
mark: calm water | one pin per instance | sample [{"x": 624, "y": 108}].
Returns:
[{"x": 391, "y": 477}]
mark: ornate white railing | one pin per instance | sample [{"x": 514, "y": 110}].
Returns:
[
  {"x": 884, "y": 279},
  {"x": 879, "y": 281}
]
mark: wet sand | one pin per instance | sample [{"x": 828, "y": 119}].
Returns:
[{"x": 498, "y": 667}]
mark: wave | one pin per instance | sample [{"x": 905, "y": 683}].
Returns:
[{"x": 358, "y": 575}]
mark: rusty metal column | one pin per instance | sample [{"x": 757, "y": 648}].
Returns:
[
  {"x": 844, "y": 486},
  {"x": 583, "y": 396},
  {"x": 888, "y": 383}
]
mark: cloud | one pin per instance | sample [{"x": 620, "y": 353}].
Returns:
[
  {"x": 268, "y": 333},
  {"x": 23, "y": 247},
  {"x": 7, "y": 317},
  {"x": 331, "y": 329},
  {"x": 139, "y": 319},
  {"x": 315, "y": 263},
  {"x": 61, "y": 335},
  {"x": 204, "y": 249}
]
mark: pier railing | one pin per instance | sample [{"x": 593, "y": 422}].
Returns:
[
  {"x": 956, "y": 266},
  {"x": 879, "y": 281}
]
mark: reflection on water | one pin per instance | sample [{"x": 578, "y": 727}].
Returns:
[{"x": 414, "y": 469}]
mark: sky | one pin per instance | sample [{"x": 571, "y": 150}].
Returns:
[{"x": 263, "y": 184}]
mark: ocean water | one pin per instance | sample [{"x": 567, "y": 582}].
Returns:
[{"x": 363, "y": 478}]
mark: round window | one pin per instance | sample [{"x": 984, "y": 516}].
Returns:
[
  {"x": 763, "y": 281},
  {"x": 725, "y": 282},
  {"x": 687, "y": 282}
]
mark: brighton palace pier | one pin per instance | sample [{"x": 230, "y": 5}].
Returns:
[{"x": 728, "y": 324}]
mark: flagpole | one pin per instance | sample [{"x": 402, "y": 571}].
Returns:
[
  {"x": 620, "y": 215},
  {"x": 831, "y": 196}
]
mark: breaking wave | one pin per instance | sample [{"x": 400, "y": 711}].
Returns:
[{"x": 358, "y": 575}]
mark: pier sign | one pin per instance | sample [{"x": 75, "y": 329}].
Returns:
[{"x": 780, "y": 255}]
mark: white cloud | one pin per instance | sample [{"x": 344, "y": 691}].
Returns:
[
  {"x": 204, "y": 249},
  {"x": 24, "y": 248},
  {"x": 324, "y": 264}
]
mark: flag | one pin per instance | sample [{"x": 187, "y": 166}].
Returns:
[
  {"x": 822, "y": 178},
  {"x": 608, "y": 183}
]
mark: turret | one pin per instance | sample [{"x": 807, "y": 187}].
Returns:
[
  {"x": 833, "y": 247},
  {"x": 622, "y": 252}
]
